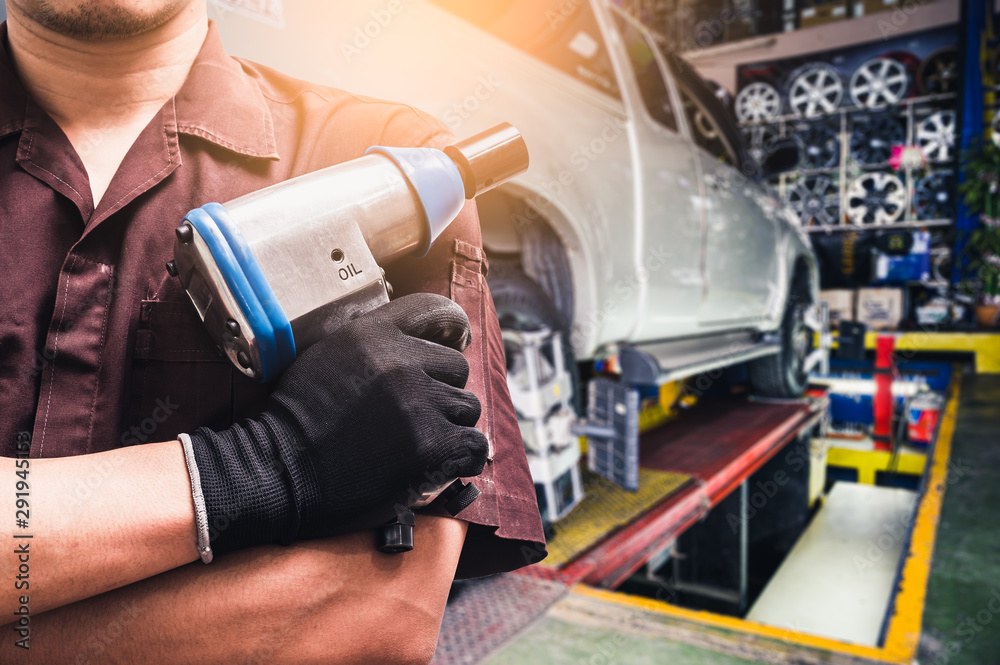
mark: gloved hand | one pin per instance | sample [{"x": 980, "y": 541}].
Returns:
[{"x": 362, "y": 416}]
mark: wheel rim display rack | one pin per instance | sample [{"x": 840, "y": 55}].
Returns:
[{"x": 928, "y": 120}]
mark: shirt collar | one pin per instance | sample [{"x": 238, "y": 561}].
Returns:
[{"x": 218, "y": 102}]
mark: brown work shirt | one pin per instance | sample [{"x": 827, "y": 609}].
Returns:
[{"x": 100, "y": 348}]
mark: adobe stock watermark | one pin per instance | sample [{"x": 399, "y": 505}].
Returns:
[
  {"x": 899, "y": 17},
  {"x": 268, "y": 12},
  {"x": 93, "y": 137},
  {"x": 656, "y": 259},
  {"x": 435, "y": 480},
  {"x": 107, "y": 465},
  {"x": 365, "y": 34},
  {"x": 776, "y": 305},
  {"x": 98, "y": 643},
  {"x": 608, "y": 648},
  {"x": 707, "y": 31},
  {"x": 581, "y": 158},
  {"x": 893, "y": 533},
  {"x": 966, "y": 631},
  {"x": 566, "y": 9},
  {"x": 69, "y": 320},
  {"x": 462, "y": 110},
  {"x": 765, "y": 490},
  {"x": 142, "y": 432},
  {"x": 957, "y": 468}
]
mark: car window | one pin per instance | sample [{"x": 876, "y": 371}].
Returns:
[
  {"x": 648, "y": 76},
  {"x": 710, "y": 124},
  {"x": 563, "y": 34}
]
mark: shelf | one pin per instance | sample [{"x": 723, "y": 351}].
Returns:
[
  {"x": 913, "y": 224},
  {"x": 911, "y": 113},
  {"x": 847, "y": 110},
  {"x": 930, "y": 283},
  {"x": 861, "y": 168}
]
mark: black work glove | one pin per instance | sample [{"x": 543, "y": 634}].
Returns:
[{"x": 356, "y": 422}]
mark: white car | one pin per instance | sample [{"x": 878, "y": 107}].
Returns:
[
  {"x": 642, "y": 227},
  {"x": 641, "y": 219}
]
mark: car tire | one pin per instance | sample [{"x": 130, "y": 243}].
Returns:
[
  {"x": 522, "y": 304},
  {"x": 783, "y": 375}
]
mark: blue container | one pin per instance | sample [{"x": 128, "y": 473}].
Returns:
[{"x": 913, "y": 267}]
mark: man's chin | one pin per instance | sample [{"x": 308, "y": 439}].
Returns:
[{"x": 99, "y": 21}]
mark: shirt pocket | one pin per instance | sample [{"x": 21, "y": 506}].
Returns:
[{"x": 179, "y": 381}]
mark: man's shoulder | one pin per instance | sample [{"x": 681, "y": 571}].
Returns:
[{"x": 339, "y": 120}]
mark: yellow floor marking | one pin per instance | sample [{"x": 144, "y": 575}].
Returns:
[
  {"x": 731, "y": 623},
  {"x": 903, "y": 634}
]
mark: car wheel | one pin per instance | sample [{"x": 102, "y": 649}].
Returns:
[
  {"x": 523, "y": 305},
  {"x": 785, "y": 374}
]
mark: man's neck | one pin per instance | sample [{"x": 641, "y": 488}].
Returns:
[{"x": 104, "y": 93}]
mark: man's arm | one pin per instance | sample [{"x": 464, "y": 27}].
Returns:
[
  {"x": 97, "y": 522},
  {"x": 334, "y": 600}
]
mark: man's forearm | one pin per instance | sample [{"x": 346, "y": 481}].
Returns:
[
  {"x": 96, "y": 522},
  {"x": 335, "y": 600}
]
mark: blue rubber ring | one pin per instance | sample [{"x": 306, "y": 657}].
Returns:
[
  {"x": 239, "y": 287},
  {"x": 282, "y": 327}
]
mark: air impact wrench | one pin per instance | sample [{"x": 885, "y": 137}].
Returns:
[{"x": 274, "y": 271}]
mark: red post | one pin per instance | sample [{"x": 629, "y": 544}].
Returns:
[{"x": 883, "y": 402}]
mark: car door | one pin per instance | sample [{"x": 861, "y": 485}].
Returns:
[
  {"x": 667, "y": 270},
  {"x": 741, "y": 242}
]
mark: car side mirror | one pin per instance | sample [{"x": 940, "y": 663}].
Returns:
[{"x": 782, "y": 157}]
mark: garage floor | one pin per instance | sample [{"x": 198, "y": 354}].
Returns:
[
  {"x": 558, "y": 642},
  {"x": 960, "y": 628}
]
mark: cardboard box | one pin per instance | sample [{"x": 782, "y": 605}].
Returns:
[
  {"x": 822, "y": 12},
  {"x": 876, "y": 6},
  {"x": 880, "y": 309},
  {"x": 840, "y": 302}
]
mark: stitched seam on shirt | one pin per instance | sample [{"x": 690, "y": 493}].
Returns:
[
  {"x": 145, "y": 372},
  {"x": 55, "y": 352},
  {"x": 484, "y": 358},
  {"x": 483, "y": 353},
  {"x": 165, "y": 313},
  {"x": 31, "y": 141},
  {"x": 170, "y": 162},
  {"x": 370, "y": 102},
  {"x": 300, "y": 93},
  {"x": 435, "y": 131},
  {"x": 205, "y": 134},
  {"x": 263, "y": 123},
  {"x": 460, "y": 280},
  {"x": 460, "y": 275},
  {"x": 469, "y": 251},
  {"x": 188, "y": 351},
  {"x": 516, "y": 498},
  {"x": 100, "y": 353}
]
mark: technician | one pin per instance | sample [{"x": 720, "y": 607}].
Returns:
[{"x": 116, "y": 118}]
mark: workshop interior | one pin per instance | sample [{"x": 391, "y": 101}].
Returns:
[{"x": 745, "y": 256}]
